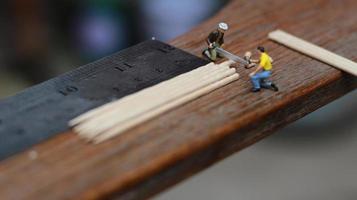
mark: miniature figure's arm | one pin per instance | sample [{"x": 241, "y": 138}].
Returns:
[
  {"x": 250, "y": 65},
  {"x": 260, "y": 67},
  {"x": 210, "y": 40},
  {"x": 254, "y": 60},
  {"x": 207, "y": 40},
  {"x": 271, "y": 59},
  {"x": 210, "y": 45}
]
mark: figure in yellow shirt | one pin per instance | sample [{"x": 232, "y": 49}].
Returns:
[{"x": 260, "y": 76}]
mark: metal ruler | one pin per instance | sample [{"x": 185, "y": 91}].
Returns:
[{"x": 44, "y": 110}]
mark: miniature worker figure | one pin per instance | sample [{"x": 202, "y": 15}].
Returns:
[
  {"x": 260, "y": 76},
  {"x": 215, "y": 39}
]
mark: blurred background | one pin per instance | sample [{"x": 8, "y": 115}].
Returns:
[
  {"x": 313, "y": 158},
  {"x": 41, "y": 39}
]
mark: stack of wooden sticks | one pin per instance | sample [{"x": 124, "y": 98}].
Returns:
[{"x": 116, "y": 117}]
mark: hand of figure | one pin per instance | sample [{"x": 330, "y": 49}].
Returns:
[
  {"x": 252, "y": 74},
  {"x": 251, "y": 65}
]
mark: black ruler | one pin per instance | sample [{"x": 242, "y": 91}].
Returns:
[{"x": 44, "y": 110}]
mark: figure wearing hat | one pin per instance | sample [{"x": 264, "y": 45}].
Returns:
[{"x": 215, "y": 39}]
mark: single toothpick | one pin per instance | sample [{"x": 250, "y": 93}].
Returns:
[{"x": 314, "y": 51}]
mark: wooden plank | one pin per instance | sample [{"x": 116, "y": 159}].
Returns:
[
  {"x": 314, "y": 51},
  {"x": 174, "y": 146}
]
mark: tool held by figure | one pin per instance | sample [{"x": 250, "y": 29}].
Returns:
[{"x": 231, "y": 56}]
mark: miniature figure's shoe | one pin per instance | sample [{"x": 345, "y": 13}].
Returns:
[
  {"x": 255, "y": 89},
  {"x": 274, "y": 87}
]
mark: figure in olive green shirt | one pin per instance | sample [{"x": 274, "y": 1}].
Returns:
[{"x": 215, "y": 39}]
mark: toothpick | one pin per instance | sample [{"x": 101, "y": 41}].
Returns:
[
  {"x": 116, "y": 117},
  {"x": 314, "y": 51}
]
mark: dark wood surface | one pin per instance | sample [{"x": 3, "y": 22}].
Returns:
[{"x": 176, "y": 145}]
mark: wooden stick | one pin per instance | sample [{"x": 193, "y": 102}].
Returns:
[
  {"x": 132, "y": 106},
  {"x": 314, "y": 51},
  {"x": 129, "y": 99},
  {"x": 105, "y": 122},
  {"x": 120, "y": 128},
  {"x": 108, "y": 106},
  {"x": 139, "y": 105}
]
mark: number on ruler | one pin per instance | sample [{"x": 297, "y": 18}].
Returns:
[
  {"x": 124, "y": 67},
  {"x": 69, "y": 89},
  {"x": 159, "y": 70},
  {"x": 166, "y": 48}
]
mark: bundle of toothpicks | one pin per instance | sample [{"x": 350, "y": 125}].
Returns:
[{"x": 118, "y": 116}]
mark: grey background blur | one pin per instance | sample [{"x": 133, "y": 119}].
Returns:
[{"x": 313, "y": 158}]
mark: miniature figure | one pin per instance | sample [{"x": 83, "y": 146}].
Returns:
[
  {"x": 260, "y": 78},
  {"x": 214, "y": 40}
]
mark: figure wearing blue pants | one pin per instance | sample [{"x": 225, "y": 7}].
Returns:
[{"x": 260, "y": 77}]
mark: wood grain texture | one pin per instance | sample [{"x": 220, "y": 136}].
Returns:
[{"x": 174, "y": 146}]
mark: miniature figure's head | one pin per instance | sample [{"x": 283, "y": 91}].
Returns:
[
  {"x": 261, "y": 49},
  {"x": 222, "y": 27},
  {"x": 248, "y": 55}
]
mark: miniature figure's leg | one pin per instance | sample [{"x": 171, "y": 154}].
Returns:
[
  {"x": 266, "y": 83},
  {"x": 256, "y": 79},
  {"x": 274, "y": 87},
  {"x": 206, "y": 53},
  {"x": 213, "y": 53}
]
